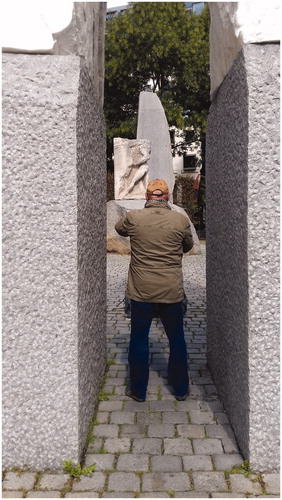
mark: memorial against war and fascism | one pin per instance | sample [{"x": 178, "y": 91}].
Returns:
[
  {"x": 136, "y": 162},
  {"x": 54, "y": 228},
  {"x": 242, "y": 223},
  {"x": 54, "y": 256}
]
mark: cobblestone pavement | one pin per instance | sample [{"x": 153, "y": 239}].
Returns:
[{"x": 159, "y": 448}]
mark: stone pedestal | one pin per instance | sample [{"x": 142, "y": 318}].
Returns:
[
  {"x": 242, "y": 180},
  {"x": 54, "y": 259}
]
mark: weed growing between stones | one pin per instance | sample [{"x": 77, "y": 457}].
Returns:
[{"x": 75, "y": 470}]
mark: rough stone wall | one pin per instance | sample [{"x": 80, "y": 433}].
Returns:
[
  {"x": 85, "y": 37},
  {"x": 242, "y": 250},
  {"x": 53, "y": 235},
  {"x": 91, "y": 230}
]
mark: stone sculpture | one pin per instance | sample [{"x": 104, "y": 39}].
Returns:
[
  {"x": 131, "y": 168},
  {"x": 153, "y": 126}
]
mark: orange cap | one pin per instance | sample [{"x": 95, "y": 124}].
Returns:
[{"x": 157, "y": 184}]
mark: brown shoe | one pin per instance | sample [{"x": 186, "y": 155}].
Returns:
[
  {"x": 181, "y": 398},
  {"x": 132, "y": 396}
]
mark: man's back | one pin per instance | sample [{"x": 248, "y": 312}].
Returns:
[{"x": 158, "y": 237}]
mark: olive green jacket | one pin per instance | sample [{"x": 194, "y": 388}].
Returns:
[{"x": 158, "y": 238}]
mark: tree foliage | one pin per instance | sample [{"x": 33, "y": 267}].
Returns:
[{"x": 165, "y": 47}]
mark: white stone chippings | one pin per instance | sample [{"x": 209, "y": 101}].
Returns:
[{"x": 41, "y": 355}]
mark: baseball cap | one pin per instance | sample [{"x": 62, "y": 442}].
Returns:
[{"x": 157, "y": 184}]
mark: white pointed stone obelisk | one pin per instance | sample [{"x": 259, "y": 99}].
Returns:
[{"x": 152, "y": 125}]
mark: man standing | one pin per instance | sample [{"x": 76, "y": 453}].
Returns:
[{"x": 158, "y": 238}]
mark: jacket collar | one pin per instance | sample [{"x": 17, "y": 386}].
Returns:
[{"x": 157, "y": 203}]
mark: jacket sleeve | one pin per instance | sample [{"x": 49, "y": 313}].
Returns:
[
  {"x": 187, "y": 239},
  {"x": 122, "y": 226}
]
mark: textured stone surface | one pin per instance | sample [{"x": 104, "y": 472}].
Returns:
[
  {"x": 243, "y": 251},
  {"x": 85, "y": 37},
  {"x": 241, "y": 484},
  {"x": 152, "y": 125},
  {"x": 234, "y": 24},
  {"x": 14, "y": 481},
  {"x": 138, "y": 457},
  {"x": 131, "y": 168},
  {"x": 54, "y": 266},
  {"x": 77, "y": 29},
  {"x": 209, "y": 481}
]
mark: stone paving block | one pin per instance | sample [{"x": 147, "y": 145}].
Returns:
[
  {"x": 227, "y": 461},
  {"x": 145, "y": 445},
  {"x": 228, "y": 495},
  {"x": 207, "y": 446},
  {"x": 197, "y": 463},
  {"x": 197, "y": 390},
  {"x": 209, "y": 481},
  {"x": 160, "y": 430},
  {"x": 12, "y": 494},
  {"x": 272, "y": 483},
  {"x": 191, "y": 430},
  {"x": 192, "y": 494},
  {"x": 166, "y": 464},
  {"x": 177, "y": 417},
  {"x": 221, "y": 418},
  {"x": 242, "y": 484},
  {"x": 102, "y": 417},
  {"x": 15, "y": 481},
  {"x": 82, "y": 494},
  {"x": 95, "y": 482},
  {"x": 154, "y": 495},
  {"x": 117, "y": 494},
  {"x": 122, "y": 417},
  {"x": 106, "y": 430},
  {"x": 201, "y": 417},
  {"x": 177, "y": 446},
  {"x": 133, "y": 431},
  {"x": 117, "y": 445},
  {"x": 149, "y": 418},
  {"x": 95, "y": 445},
  {"x": 188, "y": 405},
  {"x": 53, "y": 481},
  {"x": 220, "y": 431},
  {"x": 135, "y": 406},
  {"x": 110, "y": 405},
  {"x": 102, "y": 461},
  {"x": 164, "y": 481},
  {"x": 117, "y": 381},
  {"x": 214, "y": 406},
  {"x": 229, "y": 445},
  {"x": 123, "y": 481},
  {"x": 43, "y": 494},
  {"x": 133, "y": 462},
  {"x": 162, "y": 405}
]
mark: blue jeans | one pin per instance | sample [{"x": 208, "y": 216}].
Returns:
[{"x": 138, "y": 357}]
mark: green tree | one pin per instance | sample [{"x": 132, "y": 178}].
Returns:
[{"x": 161, "y": 45}]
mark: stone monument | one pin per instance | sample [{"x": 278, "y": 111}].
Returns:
[
  {"x": 54, "y": 260},
  {"x": 153, "y": 126},
  {"x": 242, "y": 165},
  {"x": 136, "y": 162}
]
